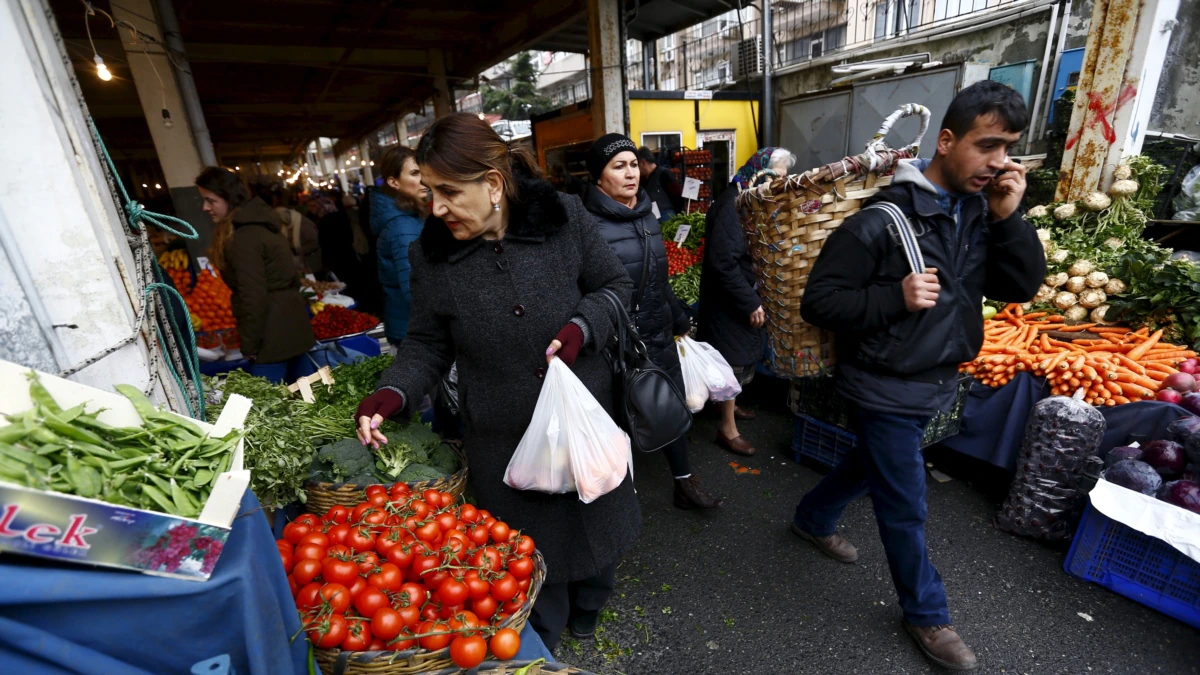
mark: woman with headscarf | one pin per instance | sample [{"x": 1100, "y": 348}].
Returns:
[
  {"x": 624, "y": 214},
  {"x": 731, "y": 313}
]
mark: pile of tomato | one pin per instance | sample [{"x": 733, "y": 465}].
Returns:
[
  {"x": 680, "y": 258},
  {"x": 403, "y": 571},
  {"x": 334, "y": 322}
]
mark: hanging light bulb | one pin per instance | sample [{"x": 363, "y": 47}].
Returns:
[
  {"x": 102, "y": 70},
  {"x": 145, "y": 186},
  {"x": 166, "y": 115},
  {"x": 371, "y": 163},
  {"x": 364, "y": 163},
  {"x": 237, "y": 168},
  {"x": 158, "y": 186}
]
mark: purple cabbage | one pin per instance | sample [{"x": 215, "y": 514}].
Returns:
[
  {"x": 1191, "y": 403},
  {"x": 1167, "y": 457},
  {"x": 1134, "y": 475},
  {"x": 1186, "y": 432},
  {"x": 1122, "y": 452},
  {"x": 1182, "y": 493}
]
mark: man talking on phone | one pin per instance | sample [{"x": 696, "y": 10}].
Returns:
[{"x": 901, "y": 333}]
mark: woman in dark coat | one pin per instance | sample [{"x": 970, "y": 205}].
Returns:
[
  {"x": 625, "y": 217},
  {"x": 506, "y": 273},
  {"x": 257, "y": 265},
  {"x": 731, "y": 313}
]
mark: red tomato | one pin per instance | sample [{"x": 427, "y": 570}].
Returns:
[
  {"x": 412, "y": 594},
  {"x": 309, "y": 595},
  {"x": 338, "y": 533},
  {"x": 521, "y": 567},
  {"x": 338, "y": 597},
  {"x": 337, "y": 571},
  {"x": 386, "y": 577},
  {"x": 376, "y": 519},
  {"x": 422, "y": 564},
  {"x": 456, "y": 546},
  {"x": 386, "y": 623},
  {"x": 317, "y": 538},
  {"x": 504, "y": 587},
  {"x": 376, "y": 645},
  {"x": 399, "y": 491},
  {"x": 430, "y": 611},
  {"x": 518, "y": 601},
  {"x": 410, "y": 615},
  {"x": 452, "y": 592},
  {"x": 358, "y": 635},
  {"x": 378, "y": 499},
  {"x": 447, "y": 499},
  {"x": 429, "y": 532},
  {"x": 388, "y": 540},
  {"x": 400, "y": 555},
  {"x": 434, "y": 642},
  {"x": 431, "y": 497},
  {"x": 468, "y": 513},
  {"x": 500, "y": 617},
  {"x": 339, "y": 551},
  {"x": 294, "y": 532},
  {"x": 284, "y": 545},
  {"x": 360, "y": 539},
  {"x": 484, "y": 514},
  {"x": 487, "y": 557},
  {"x": 446, "y": 521},
  {"x": 337, "y": 514},
  {"x": 468, "y": 652},
  {"x": 328, "y": 632},
  {"x": 420, "y": 508},
  {"x": 285, "y": 557},
  {"x": 356, "y": 588},
  {"x": 306, "y": 570},
  {"x": 523, "y": 584},
  {"x": 309, "y": 551},
  {"x": 478, "y": 535},
  {"x": 524, "y": 545},
  {"x": 485, "y": 607},
  {"x": 357, "y": 514},
  {"x": 500, "y": 531},
  {"x": 505, "y": 644},
  {"x": 477, "y": 588},
  {"x": 367, "y": 562},
  {"x": 448, "y": 611},
  {"x": 308, "y": 519},
  {"x": 375, "y": 490},
  {"x": 403, "y": 642},
  {"x": 370, "y": 601}
]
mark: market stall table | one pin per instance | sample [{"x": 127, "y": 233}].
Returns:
[
  {"x": 78, "y": 619},
  {"x": 993, "y": 421}
]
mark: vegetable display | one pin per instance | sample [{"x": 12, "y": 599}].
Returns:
[
  {"x": 403, "y": 571},
  {"x": 687, "y": 285},
  {"x": 685, "y": 261},
  {"x": 334, "y": 322},
  {"x": 208, "y": 300},
  {"x": 695, "y": 237},
  {"x": 168, "y": 465},
  {"x": 1119, "y": 366}
]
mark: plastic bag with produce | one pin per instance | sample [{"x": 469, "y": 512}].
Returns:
[
  {"x": 571, "y": 445},
  {"x": 706, "y": 374}
]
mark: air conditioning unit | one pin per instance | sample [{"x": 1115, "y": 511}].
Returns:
[
  {"x": 748, "y": 58},
  {"x": 668, "y": 55}
]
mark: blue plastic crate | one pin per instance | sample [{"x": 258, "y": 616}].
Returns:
[
  {"x": 1140, "y": 567},
  {"x": 820, "y": 443}
]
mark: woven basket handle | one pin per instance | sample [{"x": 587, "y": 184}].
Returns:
[{"x": 876, "y": 143}]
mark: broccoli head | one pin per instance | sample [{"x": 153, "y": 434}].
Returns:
[
  {"x": 415, "y": 472},
  {"x": 411, "y": 444},
  {"x": 338, "y": 462}
]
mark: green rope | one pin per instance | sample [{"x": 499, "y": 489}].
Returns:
[{"x": 138, "y": 215}]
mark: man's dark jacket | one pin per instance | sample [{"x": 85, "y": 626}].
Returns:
[{"x": 893, "y": 360}]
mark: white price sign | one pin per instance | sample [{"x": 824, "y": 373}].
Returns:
[
  {"x": 691, "y": 188},
  {"x": 203, "y": 263},
  {"x": 681, "y": 234}
]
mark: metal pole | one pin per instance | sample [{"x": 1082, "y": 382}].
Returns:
[
  {"x": 1042, "y": 77},
  {"x": 1062, "y": 41},
  {"x": 647, "y": 55},
  {"x": 768, "y": 91},
  {"x": 187, "y": 85}
]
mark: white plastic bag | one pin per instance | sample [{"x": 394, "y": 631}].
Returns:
[
  {"x": 706, "y": 374},
  {"x": 571, "y": 445}
]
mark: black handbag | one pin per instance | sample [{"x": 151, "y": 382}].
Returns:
[{"x": 646, "y": 403}]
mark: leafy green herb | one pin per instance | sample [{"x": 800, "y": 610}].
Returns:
[{"x": 696, "y": 235}]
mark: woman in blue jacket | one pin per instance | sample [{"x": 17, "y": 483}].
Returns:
[{"x": 397, "y": 214}]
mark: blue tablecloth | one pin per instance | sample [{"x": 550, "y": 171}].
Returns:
[
  {"x": 993, "y": 422},
  {"x": 59, "y": 618}
]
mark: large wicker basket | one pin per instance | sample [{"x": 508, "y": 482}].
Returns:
[
  {"x": 786, "y": 222},
  {"x": 338, "y": 662},
  {"x": 511, "y": 667},
  {"x": 320, "y": 497}
]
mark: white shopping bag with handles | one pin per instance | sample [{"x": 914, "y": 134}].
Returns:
[
  {"x": 571, "y": 445},
  {"x": 706, "y": 374}
]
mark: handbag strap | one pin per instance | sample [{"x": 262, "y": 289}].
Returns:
[
  {"x": 645, "y": 268},
  {"x": 906, "y": 234},
  {"x": 628, "y": 340}
]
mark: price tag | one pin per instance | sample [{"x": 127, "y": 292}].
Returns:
[
  {"x": 681, "y": 234},
  {"x": 691, "y": 188},
  {"x": 203, "y": 263},
  {"x": 655, "y": 211}
]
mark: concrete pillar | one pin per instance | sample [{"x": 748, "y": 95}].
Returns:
[
  {"x": 367, "y": 170},
  {"x": 158, "y": 91},
  {"x": 402, "y": 131},
  {"x": 342, "y": 170},
  {"x": 605, "y": 49},
  {"x": 442, "y": 103},
  {"x": 1122, "y": 61},
  {"x": 647, "y": 61}
]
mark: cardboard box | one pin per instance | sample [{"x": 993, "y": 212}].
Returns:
[{"x": 76, "y": 529}]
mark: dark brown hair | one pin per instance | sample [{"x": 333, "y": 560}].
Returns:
[
  {"x": 226, "y": 185},
  {"x": 463, "y": 147},
  {"x": 391, "y": 166}
]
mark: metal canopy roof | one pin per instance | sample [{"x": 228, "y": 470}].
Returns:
[
  {"x": 648, "y": 20},
  {"x": 274, "y": 75}
]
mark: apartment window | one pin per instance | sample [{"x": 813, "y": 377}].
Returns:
[
  {"x": 723, "y": 72},
  {"x": 896, "y": 17},
  {"x": 948, "y": 9},
  {"x": 668, "y": 84},
  {"x": 662, "y": 141}
]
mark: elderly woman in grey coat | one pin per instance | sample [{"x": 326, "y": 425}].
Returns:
[{"x": 505, "y": 275}]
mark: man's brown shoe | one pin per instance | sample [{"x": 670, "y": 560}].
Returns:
[
  {"x": 943, "y": 646},
  {"x": 743, "y": 415},
  {"x": 835, "y": 545},
  {"x": 738, "y": 446}
]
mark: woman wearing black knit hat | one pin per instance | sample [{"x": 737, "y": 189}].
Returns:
[{"x": 624, "y": 214}]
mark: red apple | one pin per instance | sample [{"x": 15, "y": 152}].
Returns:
[{"x": 1169, "y": 396}]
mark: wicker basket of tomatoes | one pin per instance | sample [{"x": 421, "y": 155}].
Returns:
[
  {"x": 539, "y": 667},
  {"x": 321, "y": 496},
  {"x": 410, "y": 582}
]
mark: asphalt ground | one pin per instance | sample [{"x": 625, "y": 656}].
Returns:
[{"x": 733, "y": 591}]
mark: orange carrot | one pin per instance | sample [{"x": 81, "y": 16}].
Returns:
[
  {"x": 1075, "y": 329},
  {"x": 1140, "y": 350}
]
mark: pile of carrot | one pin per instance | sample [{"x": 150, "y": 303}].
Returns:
[{"x": 1119, "y": 366}]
